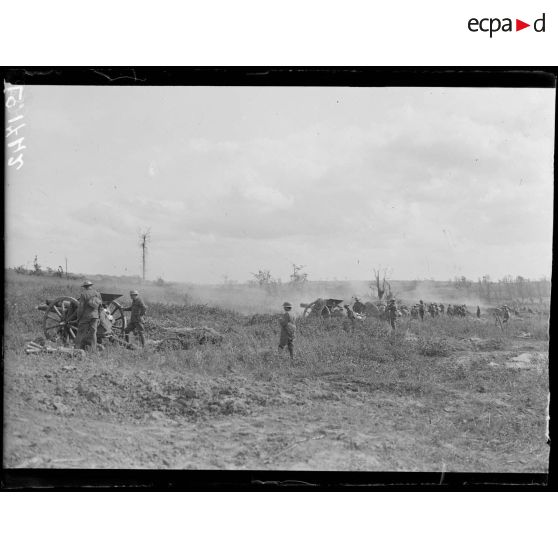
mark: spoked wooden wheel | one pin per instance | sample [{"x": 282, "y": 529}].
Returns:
[
  {"x": 118, "y": 318},
  {"x": 60, "y": 322}
]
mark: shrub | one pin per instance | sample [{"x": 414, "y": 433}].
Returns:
[{"x": 434, "y": 347}]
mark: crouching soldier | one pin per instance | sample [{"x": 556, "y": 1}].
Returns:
[
  {"x": 358, "y": 306},
  {"x": 138, "y": 309},
  {"x": 89, "y": 304},
  {"x": 351, "y": 316},
  {"x": 288, "y": 329}
]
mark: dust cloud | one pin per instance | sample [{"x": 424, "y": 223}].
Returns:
[{"x": 248, "y": 299}]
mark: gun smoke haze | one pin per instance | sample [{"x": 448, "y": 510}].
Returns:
[{"x": 248, "y": 300}]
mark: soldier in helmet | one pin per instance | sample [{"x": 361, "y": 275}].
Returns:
[
  {"x": 288, "y": 329},
  {"x": 89, "y": 304},
  {"x": 137, "y": 309},
  {"x": 421, "y": 310},
  {"x": 478, "y": 312},
  {"x": 391, "y": 311}
]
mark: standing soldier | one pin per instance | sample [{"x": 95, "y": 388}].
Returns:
[
  {"x": 137, "y": 309},
  {"x": 505, "y": 314},
  {"x": 421, "y": 310},
  {"x": 88, "y": 317},
  {"x": 288, "y": 330},
  {"x": 391, "y": 312},
  {"x": 442, "y": 308},
  {"x": 478, "y": 311}
]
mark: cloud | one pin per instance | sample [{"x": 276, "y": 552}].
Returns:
[{"x": 241, "y": 178}]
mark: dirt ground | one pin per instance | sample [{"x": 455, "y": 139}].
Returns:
[
  {"x": 322, "y": 422},
  {"x": 446, "y": 394}
]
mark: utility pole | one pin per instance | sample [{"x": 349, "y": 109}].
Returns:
[
  {"x": 66, "y": 266},
  {"x": 144, "y": 238}
]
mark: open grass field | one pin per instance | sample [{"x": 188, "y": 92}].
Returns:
[{"x": 445, "y": 394}]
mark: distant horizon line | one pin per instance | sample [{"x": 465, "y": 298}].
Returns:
[{"x": 232, "y": 282}]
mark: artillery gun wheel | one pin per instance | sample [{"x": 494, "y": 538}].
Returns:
[
  {"x": 60, "y": 322},
  {"x": 119, "y": 319}
]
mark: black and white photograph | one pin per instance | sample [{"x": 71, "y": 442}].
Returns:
[{"x": 277, "y": 278}]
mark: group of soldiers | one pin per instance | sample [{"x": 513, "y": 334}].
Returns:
[
  {"x": 389, "y": 311},
  {"x": 92, "y": 314},
  {"x": 436, "y": 309}
]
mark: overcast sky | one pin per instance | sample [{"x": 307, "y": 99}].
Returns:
[{"x": 427, "y": 182}]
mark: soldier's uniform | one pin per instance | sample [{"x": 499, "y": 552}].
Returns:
[
  {"x": 421, "y": 310},
  {"x": 478, "y": 312},
  {"x": 391, "y": 312},
  {"x": 442, "y": 308},
  {"x": 88, "y": 317},
  {"x": 505, "y": 314},
  {"x": 351, "y": 316},
  {"x": 288, "y": 330},
  {"x": 137, "y": 309}
]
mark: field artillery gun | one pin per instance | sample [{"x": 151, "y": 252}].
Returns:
[
  {"x": 323, "y": 308},
  {"x": 60, "y": 322}
]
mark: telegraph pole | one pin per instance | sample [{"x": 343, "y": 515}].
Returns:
[{"x": 144, "y": 238}]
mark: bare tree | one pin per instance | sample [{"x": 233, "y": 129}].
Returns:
[
  {"x": 380, "y": 288},
  {"x": 298, "y": 279},
  {"x": 144, "y": 239},
  {"x": 265, "y": 280},
  {"x": 37, "y": 270}
]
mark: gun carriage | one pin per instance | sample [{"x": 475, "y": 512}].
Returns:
[{"x": 60, "y": 322}]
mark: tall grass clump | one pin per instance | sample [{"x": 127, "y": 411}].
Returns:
[{"x": 434, "y": 346}]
